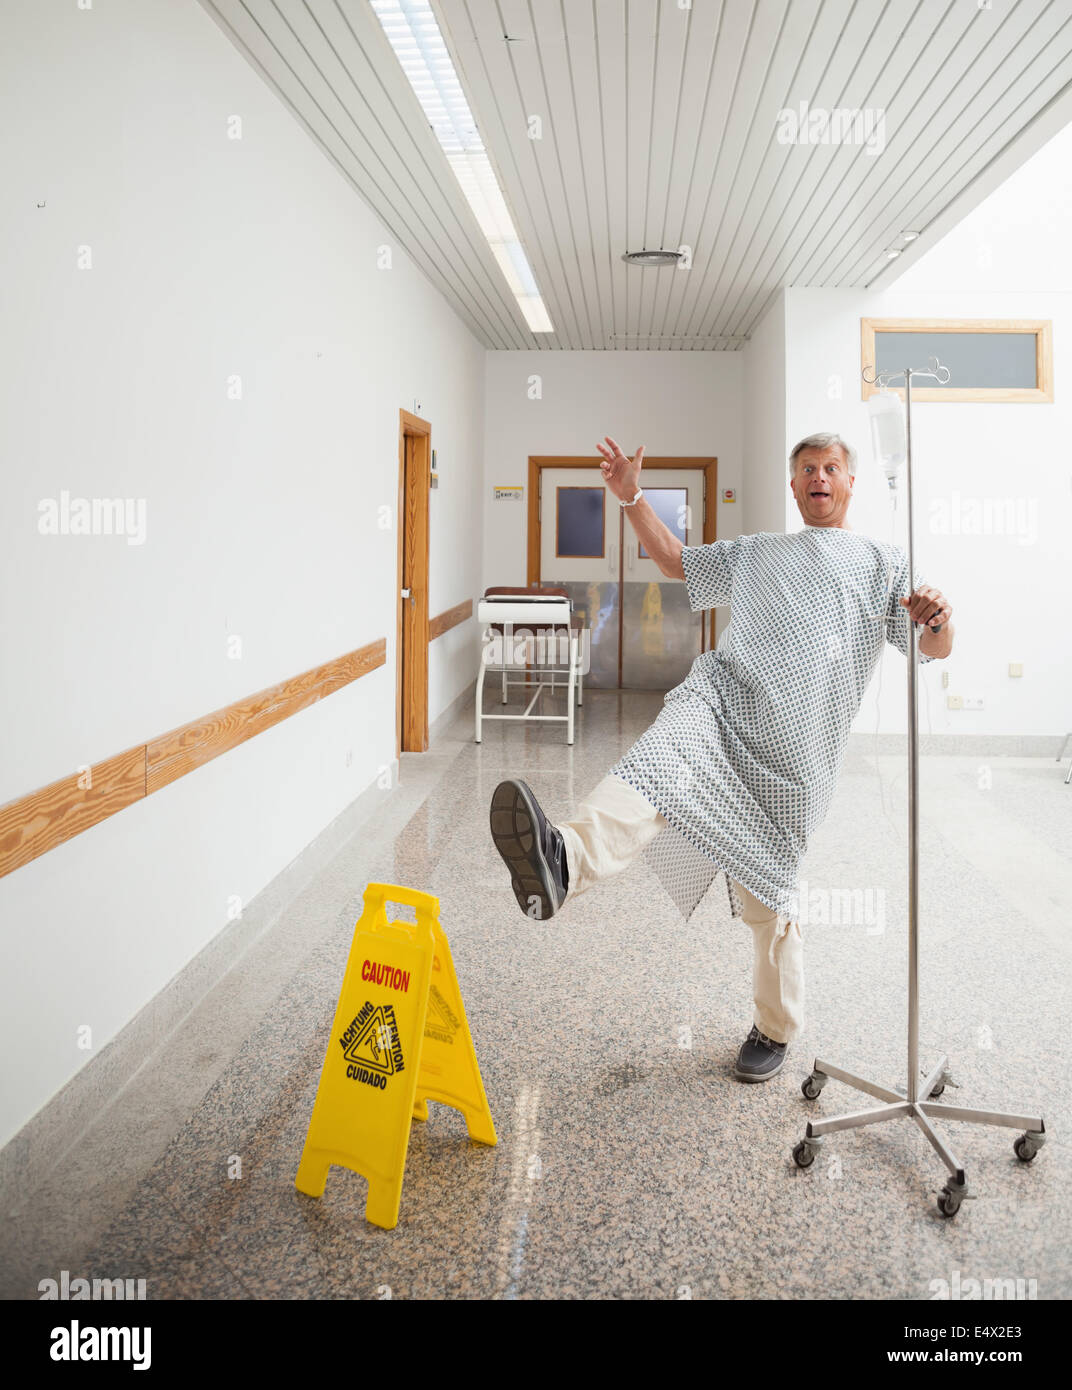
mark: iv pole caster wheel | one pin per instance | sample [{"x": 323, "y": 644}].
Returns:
[
  {"x": 812, "y": 1085},
  {"x": 805, "y": 1152},
  {"x": 951, "y": 1196},
  {"x": 944, "y": 1080},
  {"x": 1027, "y": 1145}
]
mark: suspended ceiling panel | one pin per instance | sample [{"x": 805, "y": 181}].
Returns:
[{"x": 657, "y": 127}]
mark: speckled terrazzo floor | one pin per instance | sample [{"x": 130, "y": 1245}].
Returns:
[{"x": 630, "y": 1163}]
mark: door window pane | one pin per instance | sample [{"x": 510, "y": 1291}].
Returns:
[
  {"x": 670, "y": 505},
  {"x": 579, "y": 521}
]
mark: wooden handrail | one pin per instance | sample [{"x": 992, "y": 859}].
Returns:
[
  {"x": 451, "y": 618},
  {"x": 33, "y": 824}
]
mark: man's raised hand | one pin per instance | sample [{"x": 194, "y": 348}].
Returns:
[{"x": 620, "y": 474}]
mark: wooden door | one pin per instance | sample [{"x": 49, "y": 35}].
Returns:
[{"x": 411, "y": 688}]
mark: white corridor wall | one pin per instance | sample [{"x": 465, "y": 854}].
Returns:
[
  {"x": 153, "y": 262},
  {"x": 677, "y": 403},
  {"x": 766, "y": 472}
]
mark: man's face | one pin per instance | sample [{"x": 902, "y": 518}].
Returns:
[{"x": 822, "y": 486}]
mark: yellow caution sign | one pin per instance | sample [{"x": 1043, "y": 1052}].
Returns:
[{"x": 400, "y": 1038}]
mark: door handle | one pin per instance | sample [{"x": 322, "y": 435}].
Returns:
[{"x": 408, "y": 593}]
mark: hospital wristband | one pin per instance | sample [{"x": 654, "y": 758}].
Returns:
[{"x": 636, "y": 499}]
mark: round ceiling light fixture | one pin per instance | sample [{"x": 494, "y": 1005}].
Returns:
[{"x": 652, "y": 257}]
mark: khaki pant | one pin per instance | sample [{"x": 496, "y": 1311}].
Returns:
[{"x": 614, "y": 824}]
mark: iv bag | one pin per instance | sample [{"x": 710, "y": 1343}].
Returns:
[{"x": 888, "y": 433}]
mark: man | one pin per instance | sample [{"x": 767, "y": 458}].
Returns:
[{"x": 743, "y": 758}]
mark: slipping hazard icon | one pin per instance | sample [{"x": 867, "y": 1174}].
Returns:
[
  {"x": 397, "y": 1041},
  {"x": 441, "y": 1024},
  {"x": 372, "y": 1046}
]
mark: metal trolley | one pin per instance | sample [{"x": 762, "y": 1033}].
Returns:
[{"x": 543, "y": 619}]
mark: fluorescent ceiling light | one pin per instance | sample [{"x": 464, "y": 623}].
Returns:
[{"x": 414, "y": 35}]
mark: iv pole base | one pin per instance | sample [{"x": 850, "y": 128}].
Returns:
[{"x": 922, "y": 1109}]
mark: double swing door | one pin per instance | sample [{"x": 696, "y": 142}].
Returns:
[{"x": 643, "y": 635}]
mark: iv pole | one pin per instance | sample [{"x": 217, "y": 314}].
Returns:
[{"x": 920, "y": 1103}]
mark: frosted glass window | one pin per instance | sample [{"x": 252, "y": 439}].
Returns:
[
  {"x": 979, "y": 360},
  {"x": 579, "y": 522},
  {"x": 670, "y": 505}
]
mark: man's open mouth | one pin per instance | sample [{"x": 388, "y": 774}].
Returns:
[{"x": 820, "y": 494}]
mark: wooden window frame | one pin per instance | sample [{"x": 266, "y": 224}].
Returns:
[{"x": 1042, "y": 329}]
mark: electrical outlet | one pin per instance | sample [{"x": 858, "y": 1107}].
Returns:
[
  {"x": 954, "y": 701},
  {"x": 945, "y": 680},
  {"x": 973, "y": 702},
  {"x": 1016, "y": 668}
]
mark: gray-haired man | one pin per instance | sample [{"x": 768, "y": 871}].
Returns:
[{"x": 743, "y": 758}]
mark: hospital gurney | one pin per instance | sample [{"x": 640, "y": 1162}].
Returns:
[{"x": 541, "y": 624}]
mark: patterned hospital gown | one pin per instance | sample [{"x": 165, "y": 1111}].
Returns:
[{"x": 743, "y": 758}]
